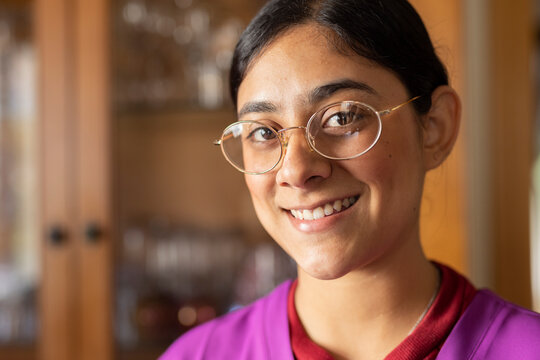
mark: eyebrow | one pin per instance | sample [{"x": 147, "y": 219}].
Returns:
[
  {"x": 325, "y": 91},
  {"x": 257, "y": 107},
  {"x": 316, "y": 95}
]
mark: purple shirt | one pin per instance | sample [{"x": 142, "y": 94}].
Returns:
[{"x": 490, "y": 328}]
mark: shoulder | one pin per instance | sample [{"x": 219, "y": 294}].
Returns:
[
  {"x": 248, "y": 333},
  {"x": 493, "y": 328},
  {"x": 511, "y": 321},
  {"x": 528, "y": 320}
]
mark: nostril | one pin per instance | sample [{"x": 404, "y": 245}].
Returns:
[{"x": 313, "y": 178}]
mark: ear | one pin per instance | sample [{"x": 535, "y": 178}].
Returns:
[{"x": 440, "y": 126}]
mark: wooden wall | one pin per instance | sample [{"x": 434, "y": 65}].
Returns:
[
  {"x": 449, "y": 216},
  {"x": 443, "y": 227},
  {"x": 512, "y": 110}
]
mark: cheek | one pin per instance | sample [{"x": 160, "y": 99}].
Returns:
[
  {"x": 393, "y": 171},
  {"x": 261, "y": 188},
  {"x": 262, "y": 191},
  {"x": 381, "y": 165},
  {"x": 399, "y": 150}
]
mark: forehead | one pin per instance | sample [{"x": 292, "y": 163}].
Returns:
[{"x": 304, "y": 58}]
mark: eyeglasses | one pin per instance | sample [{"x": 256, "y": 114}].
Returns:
[{"x": 340, "y": 131}]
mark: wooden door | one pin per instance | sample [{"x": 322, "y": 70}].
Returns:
[
  {"x": 76, "y": 292},
  {"x": 93, "y": 183},
  {"x": 56, "y": 103}
]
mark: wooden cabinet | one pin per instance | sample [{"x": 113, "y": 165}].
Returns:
[
  {"x": 130, "y": 183},
  {"x": 72, "y": 41},
  {"x": 110, "y": 167}
]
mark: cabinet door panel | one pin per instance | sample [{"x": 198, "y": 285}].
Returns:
[
  {"x": 93, "y": 238},
  {"x": 58, "y": 306}
]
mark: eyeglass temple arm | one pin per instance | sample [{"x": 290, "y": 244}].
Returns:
[
  {"x": 388, "y": 111},
  {"x": 219, "y": 141}
]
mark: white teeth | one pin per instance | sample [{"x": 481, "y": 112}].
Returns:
[
  {"x": 322, "y": 211},
  {"x": 318, "y": 213},
  {"x": 328, "y": 209},
  {"x": 337, "y": 205},
  {"x": 308, "y": 215}
]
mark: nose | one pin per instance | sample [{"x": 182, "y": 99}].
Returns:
[{"x": 301, "y": 166}]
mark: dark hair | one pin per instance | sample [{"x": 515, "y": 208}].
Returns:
[{"x": 388, "y": 32}]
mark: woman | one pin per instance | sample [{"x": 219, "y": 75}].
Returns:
[{"x": 343, "y": 107}]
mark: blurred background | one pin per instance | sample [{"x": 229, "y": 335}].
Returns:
[{"x": 121, "y": 226}]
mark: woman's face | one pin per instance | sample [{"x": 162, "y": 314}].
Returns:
[{"x": 299, "y": 73}]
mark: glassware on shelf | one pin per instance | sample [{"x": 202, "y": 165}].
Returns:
[
  {"x": 19, "y": 255},
  {"x": 265, "y": 266},
  {"x": 170, "y": 60},
  {"x": 172, "y": 53},
  {"x": 172, "y": 278}
]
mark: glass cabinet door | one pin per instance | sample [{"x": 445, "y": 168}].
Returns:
[
  {"x": 19, "y": 255},
  {"x": 188, "y": 246}
]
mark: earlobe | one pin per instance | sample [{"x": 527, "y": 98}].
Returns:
[{"x": 440, "y": 126}]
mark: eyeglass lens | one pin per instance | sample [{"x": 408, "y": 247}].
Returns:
[{"x": 340, "y": 131}]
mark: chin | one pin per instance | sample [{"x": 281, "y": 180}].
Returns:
[
  {"x": 324, "y": 273},
  {"x": 324, "y": 269}
]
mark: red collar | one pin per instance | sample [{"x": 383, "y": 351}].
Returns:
[{"x": 424, "y": 342}]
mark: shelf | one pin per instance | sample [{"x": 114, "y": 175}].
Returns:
[{"x": 170, "y": 119}]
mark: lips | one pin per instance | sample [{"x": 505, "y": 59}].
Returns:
[{"x": 322, "y": 211}]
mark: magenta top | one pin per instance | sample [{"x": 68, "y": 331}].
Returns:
[{"x": 490, "y": 328}]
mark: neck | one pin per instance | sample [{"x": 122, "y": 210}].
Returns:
[{"x": 370, "y": 310}]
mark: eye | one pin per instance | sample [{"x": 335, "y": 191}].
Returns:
[
  {"x": 262, "y": 134},
  {"x": 342, "y": 118}
]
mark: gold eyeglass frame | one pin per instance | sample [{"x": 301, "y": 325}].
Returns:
[{"x": 284, "y": 141}]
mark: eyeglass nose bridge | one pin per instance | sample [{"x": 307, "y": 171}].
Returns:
[{"x": 284, "y": 137}]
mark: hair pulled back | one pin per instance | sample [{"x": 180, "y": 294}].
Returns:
[{"x": 388, "y": 32}]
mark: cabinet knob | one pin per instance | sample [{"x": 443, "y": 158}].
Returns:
[
  {"x": 93, "y": 232},
  {"x": 57, "y": 235}
]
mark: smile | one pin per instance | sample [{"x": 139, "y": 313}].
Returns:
[{"x": 325, "y": 210}]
